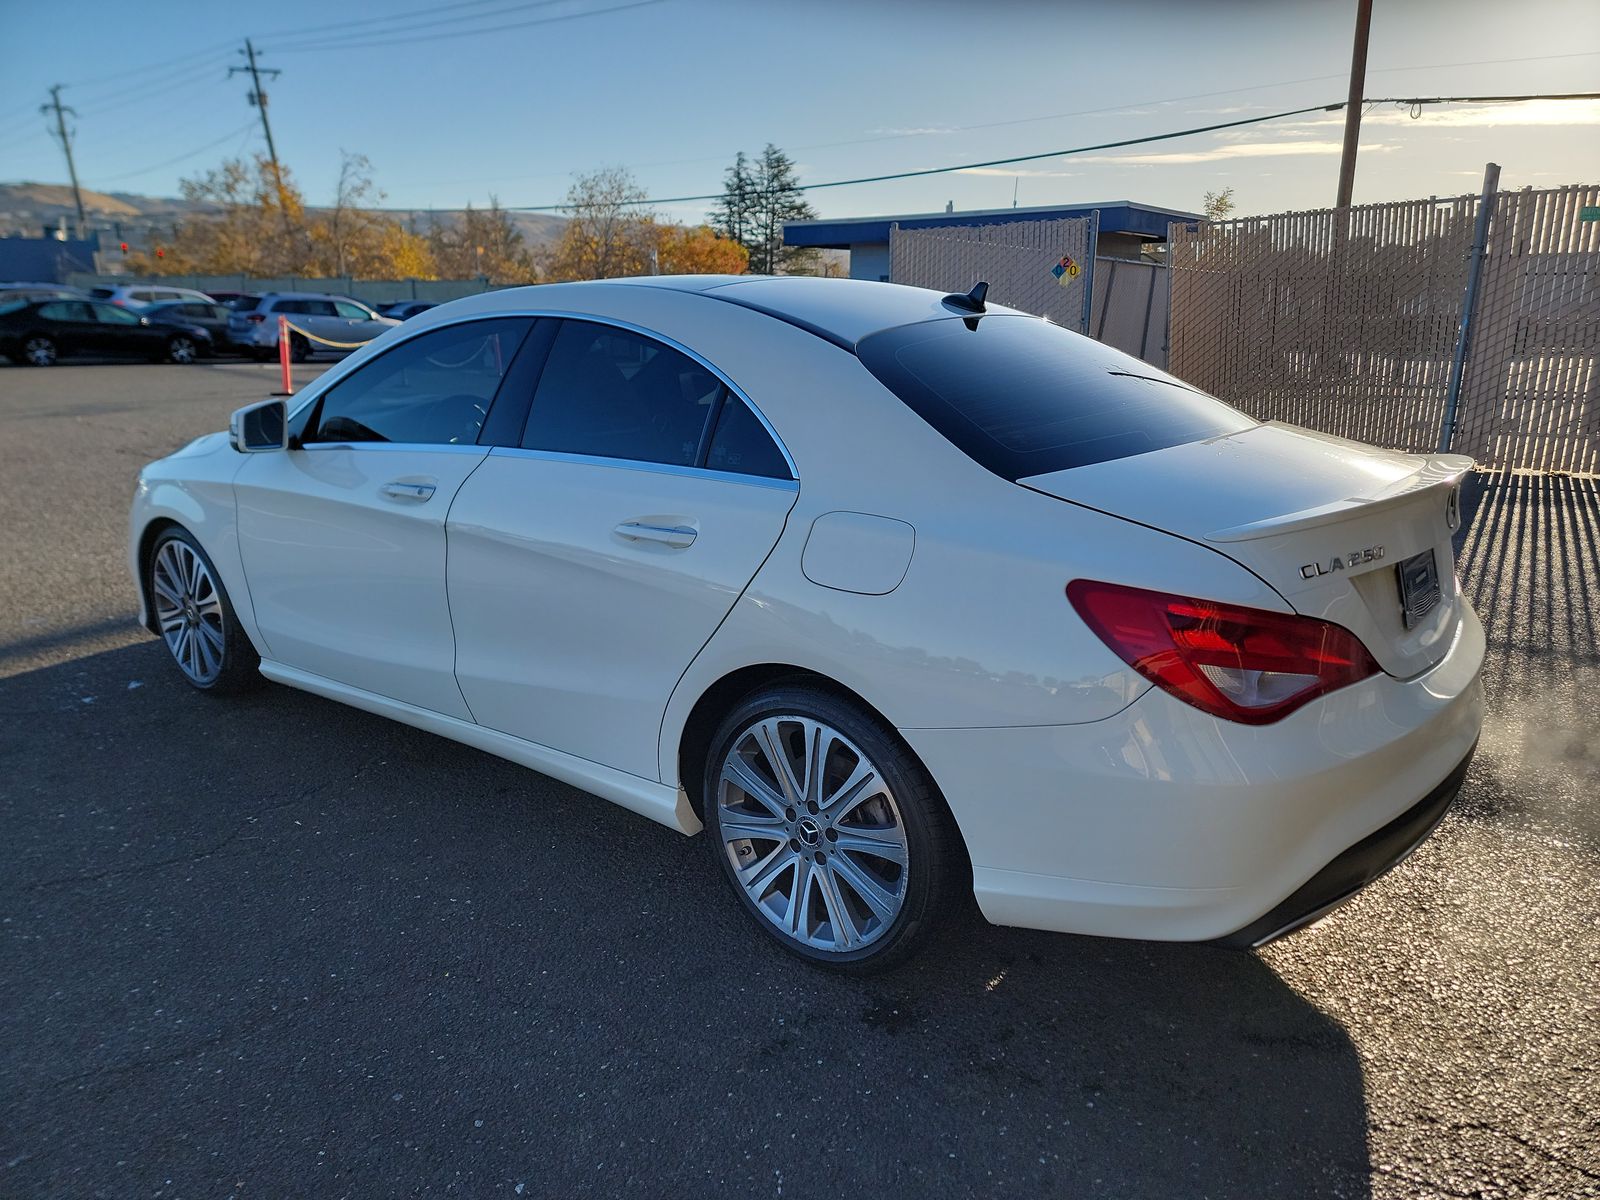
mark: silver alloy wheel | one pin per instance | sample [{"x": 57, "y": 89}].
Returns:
[
  {"x": 189, "y": 610},
  {"x": 813, "y": 833},
  {"x": 181, "y": 350},
  {"x": 40, "y": 351}
]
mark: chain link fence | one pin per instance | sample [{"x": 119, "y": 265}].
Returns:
[
  {"x": 1042, "y": 267},
  {"x": 1348, "y": 320}
]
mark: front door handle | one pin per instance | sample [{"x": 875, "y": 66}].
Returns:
[
  {"x": 417, "y": 492},
  {"x": 668, "y": 535}
]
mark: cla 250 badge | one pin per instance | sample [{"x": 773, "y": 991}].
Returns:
[{"x": 1341, "y": 562}]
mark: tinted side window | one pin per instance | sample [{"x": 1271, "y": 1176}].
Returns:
[
  {"x": 351, "y": 312},
  {"x": 1020, "y": 396},
  {"x": 617, "y": 394},
  {"x": 288, "y": 306},
  {"x": 741, "y": 443},
  {"x": 110, "y": 314},
  {"x": 434, "y": 389},
  {"x": 317, "y": 308}
]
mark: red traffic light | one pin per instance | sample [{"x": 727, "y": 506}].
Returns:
[
  {"x": 124, "y": 246},
  {"x": 160, "y": 253}
]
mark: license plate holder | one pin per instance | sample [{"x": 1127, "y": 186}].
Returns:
[{"x": 1418, "y": 580}]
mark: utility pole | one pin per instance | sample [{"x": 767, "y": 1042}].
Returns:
[
  {"x": 1352, "y": 111},
  {"x": 259, "y": 99},
  {"x": 66, "y": 144}
]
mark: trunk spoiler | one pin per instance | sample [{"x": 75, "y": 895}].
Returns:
[{"x": 1437, "y": 471}]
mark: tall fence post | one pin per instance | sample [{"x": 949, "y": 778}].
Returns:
[
  {"x": 1469, "y": 303},
  {"x": 1088, "y": 267}
]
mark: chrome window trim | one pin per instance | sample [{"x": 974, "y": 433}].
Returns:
[
  {"x": 640, "y": 464},
  {"x": 323, "y": 382},
  {"x": 425, "y": 447}
]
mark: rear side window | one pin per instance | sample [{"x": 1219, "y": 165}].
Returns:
[
  {"x": 742, "y": 444},
  {"x": 435, "y": 389},
  {"x": 1023, "y": 397},
  {"x": 102, "y": 293},
  {"x": 616, "y": 394}
]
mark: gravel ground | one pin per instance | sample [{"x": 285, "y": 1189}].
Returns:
[{"x": 278, "y": 947}]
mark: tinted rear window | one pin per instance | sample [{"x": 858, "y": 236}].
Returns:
[{"x": 1023, "y": 397}]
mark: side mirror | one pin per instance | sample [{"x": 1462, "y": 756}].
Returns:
[{"x": 260, "y": 427}]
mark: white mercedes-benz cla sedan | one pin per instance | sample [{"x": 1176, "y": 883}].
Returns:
[{"x": 892, "y": 594}]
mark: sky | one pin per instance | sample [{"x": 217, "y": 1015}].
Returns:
[{"x": 462, "y": 100}]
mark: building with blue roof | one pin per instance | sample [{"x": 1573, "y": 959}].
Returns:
[{"x": 1125, "y": 229}]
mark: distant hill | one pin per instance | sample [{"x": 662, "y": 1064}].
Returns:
[{"x": 28, "y": 207}]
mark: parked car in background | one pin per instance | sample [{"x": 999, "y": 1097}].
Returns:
[
  {"x": 208, "y": 314},
  {"x": 137, "y": 295},
  {"x": 38, "y": 332},
  {"x": 404, "y": 310},
  {"x": 336, "y": 318},
  {"x": 232, "y": 298},
  {"x": 39, "y": 291}
]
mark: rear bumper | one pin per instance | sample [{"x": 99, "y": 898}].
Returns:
[
  {"x": 1373, "y": 856},
  {"x": 1162, "y": 822}
]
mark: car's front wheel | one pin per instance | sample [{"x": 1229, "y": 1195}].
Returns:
[
  {"x": 39, "y": 351},
  {"x": 834, "y": 837},
  {"x": 182, "y": 350},
  {"x": 196, "y": 619}
]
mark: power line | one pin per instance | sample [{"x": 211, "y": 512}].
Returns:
[
  {"x": 395, "y": 27},
  {"x": 383, "y": 20},
  {"x": 431, "y": 37},
  {"x": 229, "y": 136},
  {"x": 1412, "y": 101}
]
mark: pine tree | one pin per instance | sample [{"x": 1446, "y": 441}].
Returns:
[{"x": 758, "y": 197}]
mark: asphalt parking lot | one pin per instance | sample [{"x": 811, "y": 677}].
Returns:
[{"x": 277, "y": 947}]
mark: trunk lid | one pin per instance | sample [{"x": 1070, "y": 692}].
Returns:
[{"x": 1328, "y": 523}]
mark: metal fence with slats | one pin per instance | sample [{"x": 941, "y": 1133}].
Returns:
[
  {"x": 1530, "y": 394},
  {"x": 1041, "y": 267},
  {"x": 1348, "y": 320}
]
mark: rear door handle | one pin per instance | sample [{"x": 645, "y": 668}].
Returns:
[
  {"x": 668, "y": 535},
  {"x": 417, "y": 492}
]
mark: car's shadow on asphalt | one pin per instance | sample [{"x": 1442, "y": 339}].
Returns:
[{"x": 279, "y": 941}]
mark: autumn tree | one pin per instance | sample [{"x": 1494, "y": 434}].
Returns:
[
  {"x": 240, "y": 226},
  {"x": 758, "y": 197},
  {"x": 700, "y": 250},
  {"x": 609, "y": 233},
  {"x": 482, "y": 243}
]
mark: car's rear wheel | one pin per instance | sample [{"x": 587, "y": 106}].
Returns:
[
  {"x": 39, "y": 351},
  {"x": 299, "y": 348},
  {"x": 832, "y": 835},
  {"x": 195, "y": 617},
  {"x": 182, "y": 350}
]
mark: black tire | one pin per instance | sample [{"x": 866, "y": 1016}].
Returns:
[
  {"x": 39, "y": 350},
  {"x": 240, "y": 664},
  {"x": 935, "y": 872},
  {"x": 299, "y": 349}
]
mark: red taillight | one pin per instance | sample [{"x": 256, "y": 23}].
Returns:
[
  {"x": 1244, "y": 664},
  {"x": 256, "y": 318}
]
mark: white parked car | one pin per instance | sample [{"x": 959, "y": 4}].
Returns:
[
  {"x": 253, "y": 322},
  {"x": 138, "y": 295},
  {"x": 892, "y": 594}
]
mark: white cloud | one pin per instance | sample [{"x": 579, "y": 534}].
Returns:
[
  {"x": 1009, "y": 172},
  {"x": 1234, "y": 150},
  {"x": 1529, "y": 112}
]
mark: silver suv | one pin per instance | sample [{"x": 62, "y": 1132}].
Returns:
[
  {"x": 254, "y": 326},
  {"x": 137, "y": 295}
]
